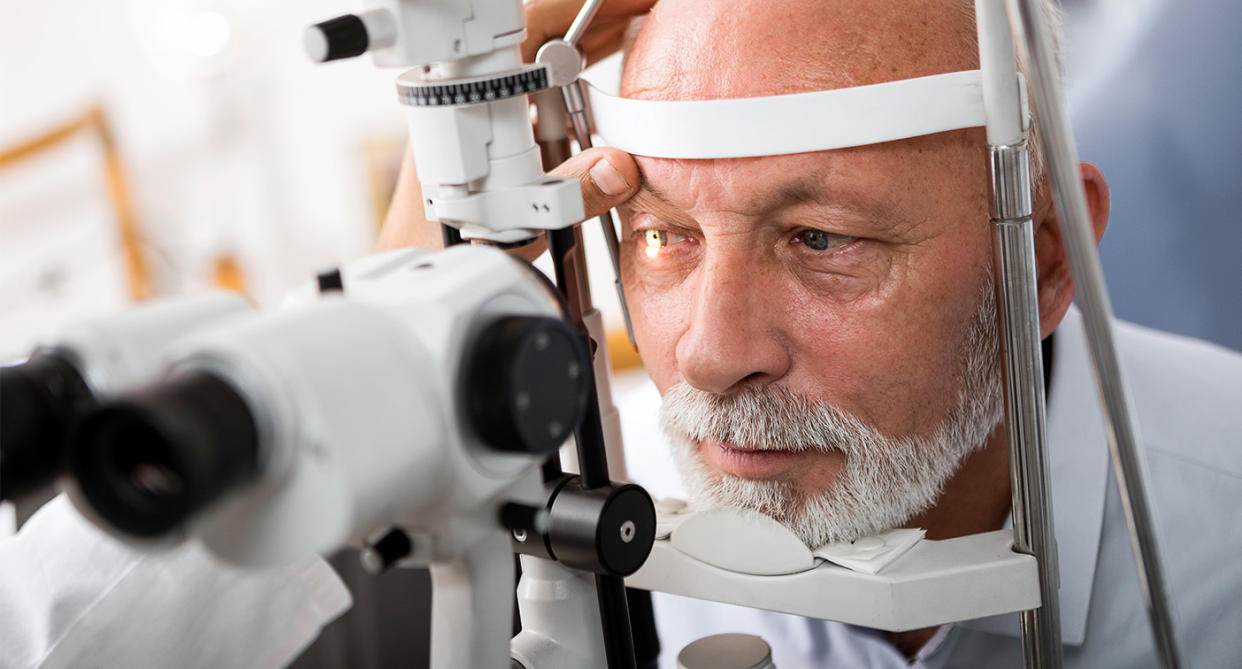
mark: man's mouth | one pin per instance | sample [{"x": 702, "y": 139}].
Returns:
[{"x": 747, "y": 463}]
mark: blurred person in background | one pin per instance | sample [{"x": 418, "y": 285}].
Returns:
[{"x": 1154, "y": 89}]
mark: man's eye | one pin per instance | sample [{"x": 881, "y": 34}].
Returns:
[
  {"x": 654, "y": 241},
  {"x": 819, "y": 240}
]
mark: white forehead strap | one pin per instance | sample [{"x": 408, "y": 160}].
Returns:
[{"x": 794, "y": 123}]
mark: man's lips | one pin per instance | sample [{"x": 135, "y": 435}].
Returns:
[{"x": 748, "y": 463}]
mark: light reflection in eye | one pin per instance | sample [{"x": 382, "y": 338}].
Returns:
[{"x": 655, "y": 240}]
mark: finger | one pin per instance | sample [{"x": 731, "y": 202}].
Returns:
[
  {"x": 608, "y": 178},
  {"x": 601, "y": 43},
  {"x": 546, "y": 19}
]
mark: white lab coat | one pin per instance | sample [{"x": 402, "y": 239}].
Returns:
[
  {"x": 73, "y": 597},
  {"x": 1188, "y": 397}
]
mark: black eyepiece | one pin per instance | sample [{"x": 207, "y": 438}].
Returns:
[
  {"x": 150, "y": 459},
  {"x": 39, "y": 400},
  {"x": 527, "y": 382}
]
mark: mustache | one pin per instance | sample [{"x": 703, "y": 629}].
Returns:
[{"x": 764, "y": 418}]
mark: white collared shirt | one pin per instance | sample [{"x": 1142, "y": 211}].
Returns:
[{"x": 1188, "y": 398}]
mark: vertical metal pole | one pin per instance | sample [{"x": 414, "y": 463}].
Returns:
[
  {"x": 1071, "y": 202},
  {"x": 619, "y": 646},
  {"x": 1018, "y": 319},
  {"x": 575, "y": 103},
  {"x": 570, "y": 266},
  {"x": 1018, "y": 314}
]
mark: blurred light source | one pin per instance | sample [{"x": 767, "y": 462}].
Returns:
[
  {"x": 193, "y": 37},
  {"x": 206, "y": 33}
]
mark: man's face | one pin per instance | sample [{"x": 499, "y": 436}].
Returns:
[{"x": 851, "y": 279}]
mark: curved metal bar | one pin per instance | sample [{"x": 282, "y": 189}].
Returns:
[{"x": 1128, "y": 462}]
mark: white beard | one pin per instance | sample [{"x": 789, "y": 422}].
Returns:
[{"x": 885, "y": 480}]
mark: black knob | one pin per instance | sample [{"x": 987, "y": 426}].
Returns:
[
  {"x": 342, "y": 37},
  {"x": 526, "y": 384},
  {"x": 606, "y": 530},
  {"x": 380, "y": 556},
  {"x": 330, "y": 281},
  {"x": 39, "y": 400}
]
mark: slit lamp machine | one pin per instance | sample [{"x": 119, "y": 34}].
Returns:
[{"x": 446, "y": 410}]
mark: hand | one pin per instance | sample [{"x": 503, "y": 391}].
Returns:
[{"x": 608, "y": 177}]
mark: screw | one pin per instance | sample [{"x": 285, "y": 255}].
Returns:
[{"x": 628, "y": 531}]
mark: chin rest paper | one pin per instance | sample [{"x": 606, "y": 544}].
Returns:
[{"x": 749, "y": 542}]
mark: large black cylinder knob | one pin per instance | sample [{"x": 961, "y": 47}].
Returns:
[
  {"x": 334, "y": 39},
  {"x": 606, "y": 530},
  {"x": 526, "y": 384},
  {"x": 149, "y": 459}
]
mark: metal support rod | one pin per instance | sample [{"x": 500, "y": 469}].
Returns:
[
  {"x": 592, "y": 456},
  {"x": 1018, "y": 320},
  {"x": 568, "y": 260},
  {"x": 575, "y": 103},
  {"x": 582, "y": 20},
  {"x": 614, "y": 612},
  {"x": 1071, "y": 202}
]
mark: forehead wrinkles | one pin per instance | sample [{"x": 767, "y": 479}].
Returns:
[
  {"x": 863, "y": 179},
  {"x": 689, "y": 49}
]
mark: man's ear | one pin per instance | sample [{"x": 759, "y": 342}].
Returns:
[{"x": 1056, "y": 285}]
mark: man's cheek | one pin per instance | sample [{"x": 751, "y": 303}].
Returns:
[{"x": 657, "y": 325}]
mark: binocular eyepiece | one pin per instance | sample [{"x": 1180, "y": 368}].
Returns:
[
  {"x": 39, "y": 400},
  {"x": 152, "y": 458}
]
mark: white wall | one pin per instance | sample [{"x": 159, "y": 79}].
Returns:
[
  {"x": 248, "y": 148},
  {"x": 234, "y": 141}
]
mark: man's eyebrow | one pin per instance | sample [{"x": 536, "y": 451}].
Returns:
[
  {"x": 790, "y": 193},
  {"x": 644, "y": 184},
  {"x": 802, "y": 192}
]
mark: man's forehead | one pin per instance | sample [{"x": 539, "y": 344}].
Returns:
[
  {"x": 832, "y": 183},
  {"x": 689, "y": 49}
]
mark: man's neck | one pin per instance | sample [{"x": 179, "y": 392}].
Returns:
[{"x": 977, "y": 499}]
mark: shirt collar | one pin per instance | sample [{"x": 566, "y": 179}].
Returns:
[{"x": 1078, "y": 469}]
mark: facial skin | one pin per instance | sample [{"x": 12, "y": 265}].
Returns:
[{"x": 849, "y": 277}]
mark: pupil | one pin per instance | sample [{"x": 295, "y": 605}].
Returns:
[{"x": 815, "y": 239}]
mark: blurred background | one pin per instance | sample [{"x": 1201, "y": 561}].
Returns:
[
  {"x": 151, "y": 148},
  {"x": 158, "y": 147}
]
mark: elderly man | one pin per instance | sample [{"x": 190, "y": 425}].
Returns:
[{"x": 822, "y": 330}]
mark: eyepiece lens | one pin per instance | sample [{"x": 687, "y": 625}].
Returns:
[{"x": 150, "y": 459}]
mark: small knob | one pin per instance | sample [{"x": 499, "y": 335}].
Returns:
[
  {"x": 380, "y": 556},
  {"x": 334, "y": 39},
  {"x": 330, "y": 281},
  {"x": 524, "y": 520}
]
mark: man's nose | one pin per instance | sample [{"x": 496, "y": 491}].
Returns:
[{"x": 731, "y": 338}]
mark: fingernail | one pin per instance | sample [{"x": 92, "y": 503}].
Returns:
[{"x": 607, "y": 179}]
